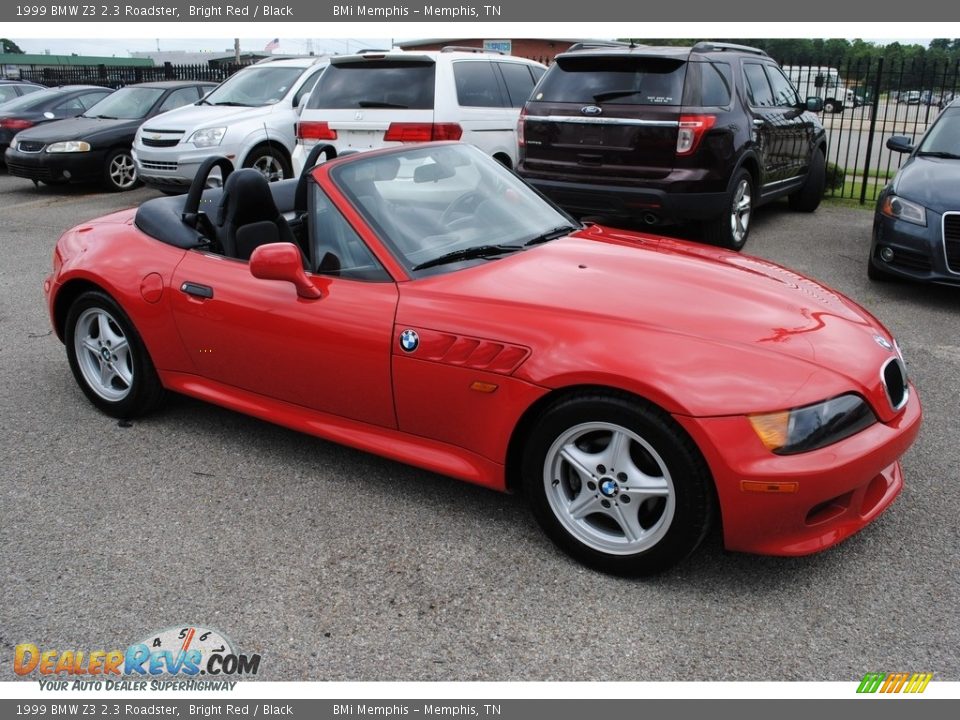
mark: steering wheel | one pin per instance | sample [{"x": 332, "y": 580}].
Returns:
[{"x": 466, "y": 204}]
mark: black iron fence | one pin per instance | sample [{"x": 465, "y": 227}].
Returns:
[
  {"x": 866, "y": 102},
  {"x": 116, "y": 76}
]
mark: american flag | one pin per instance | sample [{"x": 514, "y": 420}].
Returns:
[{"x": 272, "y": 45}]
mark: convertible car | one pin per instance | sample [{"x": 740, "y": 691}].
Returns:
[{"x": 423, "y": 303}]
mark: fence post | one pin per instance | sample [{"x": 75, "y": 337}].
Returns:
[{"x": 873, "y": 126}]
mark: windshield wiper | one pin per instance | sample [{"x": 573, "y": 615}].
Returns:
[
  {"x": 232, "y": 103},
  {"x": 558, "y": 231},
  {"x": 611, "y": 94},
  {"x": 378, "y": 104},
  {"x": 480, "y": 251},
  {"x": 939, "y": 154}
]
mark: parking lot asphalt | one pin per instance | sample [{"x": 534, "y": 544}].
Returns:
[{"x": 336, "y": 565}]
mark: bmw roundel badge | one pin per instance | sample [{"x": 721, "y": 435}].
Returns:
[{"x": 409, "y": 340}]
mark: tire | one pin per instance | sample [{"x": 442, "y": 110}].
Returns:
[
  {"x": 731, "y": 229},
  {"x": 108, "y": 358},
  {"x": 120, "y": 171},
  {"x": 808, "y": 197},
  {"x": 569, "y": 457},
  {"x": 271, "y": 163},
  {"x": 832, "y": 106}
]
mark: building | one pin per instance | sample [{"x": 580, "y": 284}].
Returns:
[{"x": 12, "y": 63}]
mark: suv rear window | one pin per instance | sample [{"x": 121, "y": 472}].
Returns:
[
  {"x": 375, "y": 84},
  {"x": 614, "y": 80}
]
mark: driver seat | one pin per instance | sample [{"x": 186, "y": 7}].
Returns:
[{"x": 248, "y": 216}]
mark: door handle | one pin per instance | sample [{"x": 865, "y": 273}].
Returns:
[{"x": 197, "y": 290}]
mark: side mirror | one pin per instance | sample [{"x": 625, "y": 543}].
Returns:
[
  {"x": 899, "y": 143},
  {"x": 814, "y": 103},
  {"x": 282, "y": 261}
]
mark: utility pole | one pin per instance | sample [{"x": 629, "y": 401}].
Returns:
[{"x": 236, "y": 50}]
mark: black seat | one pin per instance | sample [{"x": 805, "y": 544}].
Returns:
[{"x": 248, "y": 216}]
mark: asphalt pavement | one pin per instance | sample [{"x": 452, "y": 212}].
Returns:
[{"x": 337, "y": 565}]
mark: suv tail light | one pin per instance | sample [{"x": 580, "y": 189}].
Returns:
[
  {"x": 14, "y": 124},
  {"x": 692, "y": 130},
  {"x": 521, "y": 140},
  {"x": 412, "y": 132},
  {"x": 308, "y": 130}
]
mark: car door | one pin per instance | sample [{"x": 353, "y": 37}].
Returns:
[
  {"x": 799, "y": 126},
  {"x": 331, "y": 354}
]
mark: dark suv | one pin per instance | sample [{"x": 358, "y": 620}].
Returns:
[{"x": 669, "y": 135}]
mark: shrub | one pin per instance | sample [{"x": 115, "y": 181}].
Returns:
[{"x": 835, "y": 178}]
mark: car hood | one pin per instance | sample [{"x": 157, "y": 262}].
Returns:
[
  {"x": 600, "y": 284},
  {"x": 196, "y": 116},
  {"x": 79, "y": 128},
  {"x": 932, "y": 182}
]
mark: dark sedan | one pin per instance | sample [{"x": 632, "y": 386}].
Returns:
[
  {"x": 95, "y": 147},
  {"x": 916, "y": 227},
  {"x": 46, "y": 105}
]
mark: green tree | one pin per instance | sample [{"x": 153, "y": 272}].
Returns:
[{"x": 9, "y": 46}]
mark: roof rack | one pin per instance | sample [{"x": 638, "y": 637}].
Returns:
[
  {"x": 464, "y": 48},
  {"x": 587, "y": 44},
  {"x": 708, "y": 46}
]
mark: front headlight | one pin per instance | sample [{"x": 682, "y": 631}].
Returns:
[
  {"x": 208, "y": 137},
  {"x": 900, "y": 209},
  {"x": 69, "y": 146},
  {"x": 814, "y": 426}
]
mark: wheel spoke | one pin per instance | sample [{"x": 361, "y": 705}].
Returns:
[
  {"x": 628, "y": 519},
  {"x": 91, "y": 345},
  {"x": 586, "y": 503},
  {"x": 121, "y": 371},
  {"x": 645, "y": 486},
  {"x": 106, "y": 374},
  {"x": 578, "y": 460},
  {"x": 616, "y": 456}
]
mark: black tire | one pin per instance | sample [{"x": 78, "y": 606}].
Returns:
[
  {"x": 271, "y": 162},
  {"x": 132, "y": 388},
  {"x": 120, "y": 171},
  {"x": 731, "y": 229},
  {"x": 666, "y": 526},
  {"x": 808, "y": 197},
  {"x": 832, "y": 106}
]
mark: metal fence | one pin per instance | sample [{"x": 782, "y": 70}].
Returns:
[
  {"x": 876, "y": 99},
  {"x": 118, "y": 76}
]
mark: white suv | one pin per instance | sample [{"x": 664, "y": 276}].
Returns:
[
  {"x": 249, "y": 118},
  {"x": 378, "y": 99}
]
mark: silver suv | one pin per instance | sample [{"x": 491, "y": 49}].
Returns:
[{"x": 249, "y": 118}]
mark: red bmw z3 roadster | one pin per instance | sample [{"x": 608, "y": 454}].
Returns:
[{"x": 425, "y": 304}]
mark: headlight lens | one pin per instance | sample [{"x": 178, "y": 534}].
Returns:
[
  {"x": 896, "y": 207},
  {"x": 814, "y": 426},
  {"x": 69, "y": 146},
  {"x": 208, "y": 137}
]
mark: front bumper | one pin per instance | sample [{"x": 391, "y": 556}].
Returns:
[
  {"x": 174, "y": 168},
  {"x": 837, "y": 490},
  {"x": 919, "y": 253},
  {"x": 55, "y": 167}
]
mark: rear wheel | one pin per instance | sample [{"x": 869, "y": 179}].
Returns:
[
  {"x": 617, "y": 484},
  {"x": 108, "y": 358},
  {"x": 731, "y": 229}
]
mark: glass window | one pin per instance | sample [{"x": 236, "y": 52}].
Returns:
[
  {"x": 71, "y": 105},
  {"x": 178, "y": 98},
  {"x": 519, "y": 82},
  {"x": 255, "y": 86},
  {"x": 944, "y": 136},
  {"x": 477, "y": 84},
  {"x": 618, "y": 81},
  {"x": 306, "y": 88},
  {"x": 337, "y": 248},
  {"x": 33, "y": 101},
  {"x": 398, "y": 84},
  {"x": 88, "y": 100},
  {"x": 716, "y": 82},
  {"x": 128, "y": 103},
  {"x": 758, "y": 87},
  {"x": 783, "y": 93},
  {"x": 7, "y": 92}
]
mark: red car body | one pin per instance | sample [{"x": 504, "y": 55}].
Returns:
[{"x": 707, "y": 335}]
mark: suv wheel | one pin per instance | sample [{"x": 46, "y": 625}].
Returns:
[
  {"x": 832, "y": 106},
  {"x": 272, "y": 164},
  {"x": 807, "y": 198},
  {"x": 730, "y": 230}
]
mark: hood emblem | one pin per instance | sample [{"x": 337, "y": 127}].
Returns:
[
  {"x": 882, "y": 342},
  {"x": 591, "y": 110},
  {"x": 409, "y": 340}
]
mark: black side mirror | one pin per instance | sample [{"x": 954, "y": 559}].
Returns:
[
  {"x": 814, "y": 103},
  {"x": 899, "y": 143}
]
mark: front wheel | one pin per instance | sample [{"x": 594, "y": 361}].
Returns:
[
  {"x": 617, "y": 484},
  {"x": 270, "y": 163},
  {"x": 119, "y": 171},
  {"x": 108, "y": 358}
]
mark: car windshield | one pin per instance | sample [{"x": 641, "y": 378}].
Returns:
[
  {"x": 440, "y": 206},
  {"x": 128, "y": 103},
  {"x": 28, "y": 102},
  {"x": 944, "y": 136},
  {"x": 255, "y": 86}
]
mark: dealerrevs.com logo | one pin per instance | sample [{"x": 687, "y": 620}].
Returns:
[
  {"x": 184, "y": 653},
  {"x": 901, "y": 682}
]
